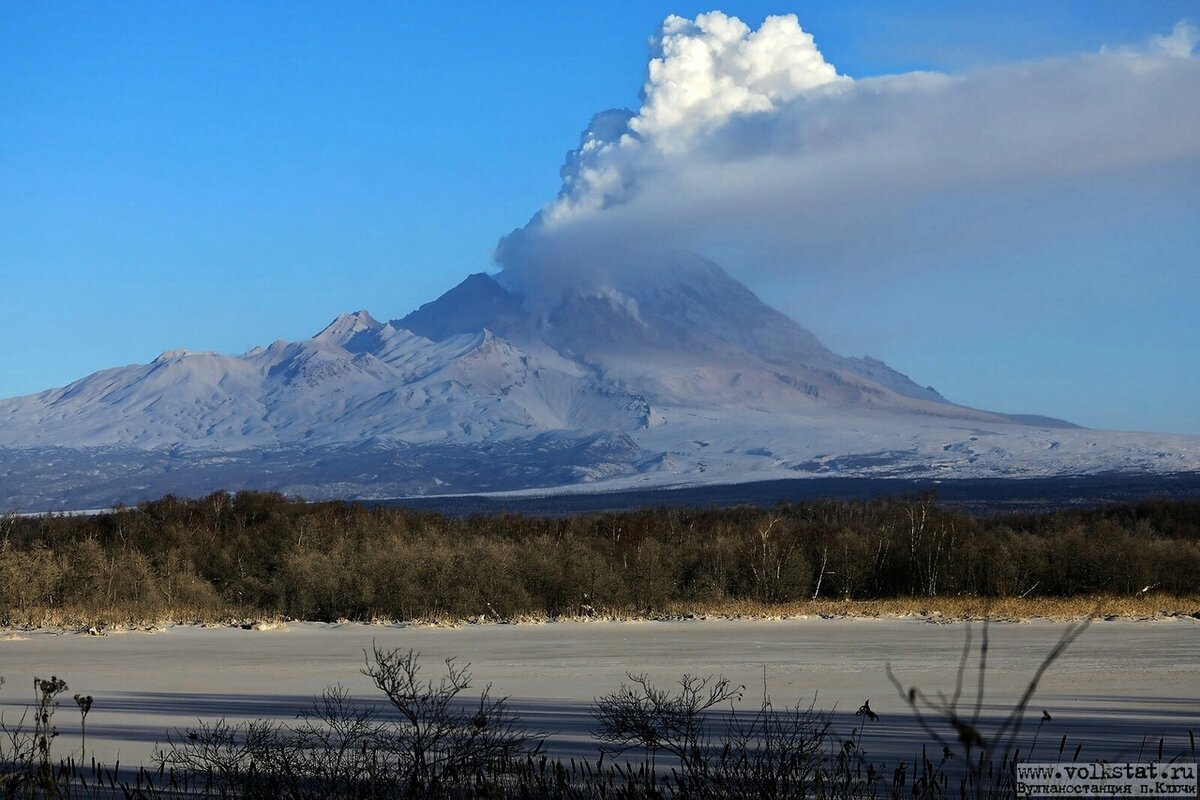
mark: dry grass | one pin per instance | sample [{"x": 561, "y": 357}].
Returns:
[
  {"x": 121, "y": 619},
  {"x": 948, "y": 609},
  {"x": 963, "y": 608}
]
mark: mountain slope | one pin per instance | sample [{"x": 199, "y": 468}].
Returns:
[
  {"x": 677, "y": 374},
  {"x": 687, "y": 310},
  {"x": 350, "y": 383}
]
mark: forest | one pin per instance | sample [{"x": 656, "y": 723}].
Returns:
[{"x": 254, "y": 555}]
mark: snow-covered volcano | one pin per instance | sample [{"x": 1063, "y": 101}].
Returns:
[{"x": 643, "y": 377}]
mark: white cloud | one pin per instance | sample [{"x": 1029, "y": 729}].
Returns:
[
  {"x": 706, "y": 71},
  {"x": 750, "y": 140},
  {"x": 701, "y": 73},
  {"x": 1181, "y": 42}
]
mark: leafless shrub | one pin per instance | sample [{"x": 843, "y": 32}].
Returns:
[
  {"x": 224, "y": 751},
  {"x": 28, "y": 765},
  {"x": 640, "y": 715},
  {"x": 430, "y": 741},
  {"x": 987, "y": 756},
  {"x": 436, "y": 739},
  {"x": 768, "y": 752}
]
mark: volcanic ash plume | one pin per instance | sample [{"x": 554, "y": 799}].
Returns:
[{"x": 750, "y": 142}]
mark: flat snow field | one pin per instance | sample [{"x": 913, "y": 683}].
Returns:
[{"x": 1122, "y": 681}]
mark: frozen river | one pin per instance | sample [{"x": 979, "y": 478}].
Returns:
[{"x": 1120, "y": 682}]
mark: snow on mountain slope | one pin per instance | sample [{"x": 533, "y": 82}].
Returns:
[
  {"x": 640, "y": 377},
  {"x": 329, "y": 389},
  {"x": 686, "y": 308},
  {"x": 180, "y": 396}
]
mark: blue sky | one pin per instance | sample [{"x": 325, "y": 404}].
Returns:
[{"x": 219, "y": 175}]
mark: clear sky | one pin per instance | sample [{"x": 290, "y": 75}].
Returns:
[{"x": 220, "y": 175}]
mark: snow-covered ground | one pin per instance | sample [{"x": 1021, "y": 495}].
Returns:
[
  {"x": 692, "y": 447},
  {"x": 1120, "y": 681}
]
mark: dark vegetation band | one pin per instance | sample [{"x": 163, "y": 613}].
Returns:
[{"x": 254, "y": 553}]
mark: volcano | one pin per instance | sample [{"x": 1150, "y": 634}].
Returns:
[{"x": 639, "y": 377}]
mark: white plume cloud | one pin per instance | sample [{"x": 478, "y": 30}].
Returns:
[
  {"x": 750, "y": 140},
  {"x": 1181, "y": 42},
  {"x": 702, "y": 73},
  {"x": 706, "y": 71}
]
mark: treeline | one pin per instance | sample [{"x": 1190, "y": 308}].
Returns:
[{"x": 257, "y": 553}]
